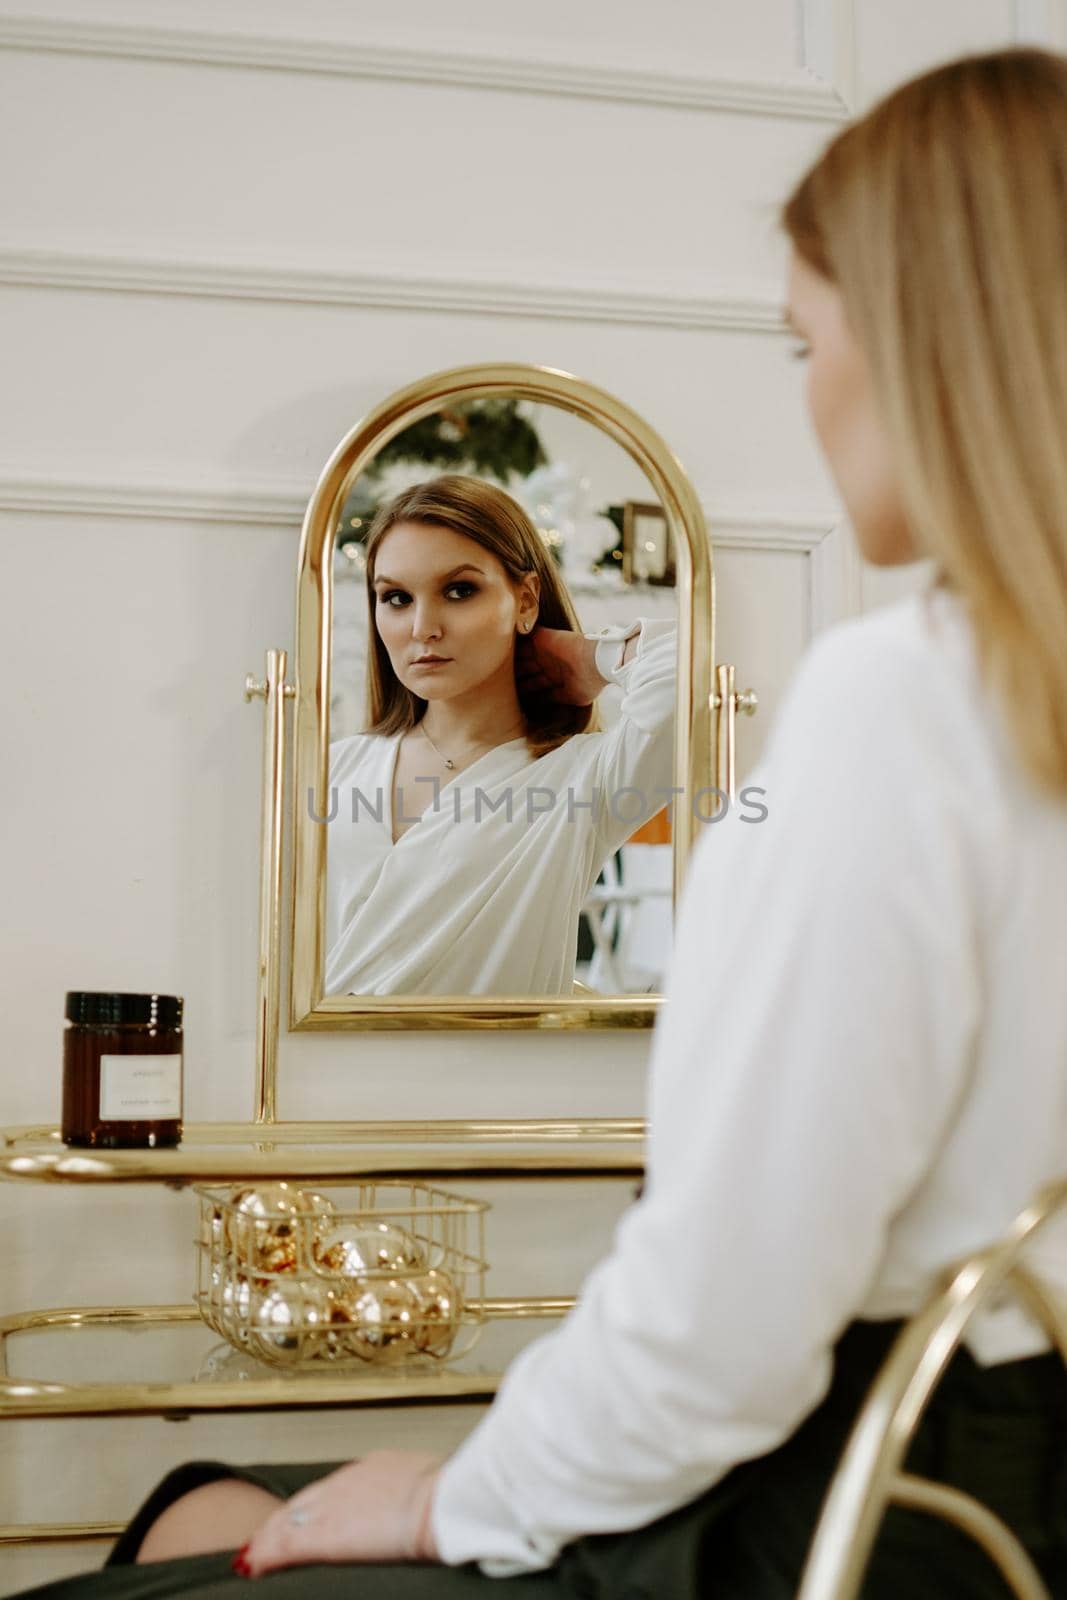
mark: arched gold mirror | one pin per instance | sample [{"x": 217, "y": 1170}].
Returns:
[{"x": 505, "y": 896}]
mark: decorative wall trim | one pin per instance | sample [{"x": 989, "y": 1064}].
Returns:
[
  {"x": 833, "y": 566},
  {"x": 593, "y": 302},
  {"x": 733, "y": 526},
  {"x": 828, "y": 46},
  {"x": 1042, "y": 22},
  {"x": 833, "y": 563},
  {"x": 752, "y": 526},
  {"x": 158, "y": 500},
  {"x": 797, "y": 93}
]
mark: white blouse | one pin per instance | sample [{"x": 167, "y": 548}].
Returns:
[
  {"x": 859, "y": 1077},
  {"x": 482, "y": 894}
]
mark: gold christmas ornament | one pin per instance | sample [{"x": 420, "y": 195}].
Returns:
[
  {"x": 279, "y": 1253},
  {"x": 354, "y": 1248},
  {"x": 296, "y": 1280},
  {"x": 235, "y": 1295},
  {"x": 284, "y": 1318},
  {"x": 439, "y": 1306},
  {"x": 378, "y": 1319},
  {"x": 263, "y": 1226}
]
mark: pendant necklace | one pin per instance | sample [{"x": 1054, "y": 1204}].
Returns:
[{"x": 449, "y": 763}]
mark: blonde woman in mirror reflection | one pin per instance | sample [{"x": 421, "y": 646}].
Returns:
[
  {"x": 860, "y": 1074},
  {"x": 472, "y": 817}
]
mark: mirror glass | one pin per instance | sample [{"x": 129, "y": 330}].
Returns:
[{"x": 499, "y": 818}]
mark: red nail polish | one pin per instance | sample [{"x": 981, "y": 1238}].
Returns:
[{"x": 240, "y": 1563}]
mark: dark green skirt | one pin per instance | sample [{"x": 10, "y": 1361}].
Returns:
[{"x": 1000, "y": 1433}]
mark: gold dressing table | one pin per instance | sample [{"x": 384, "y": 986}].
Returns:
[
  {"x": 49, "y": 1344},
  {"x": 152, "y": 1355}
]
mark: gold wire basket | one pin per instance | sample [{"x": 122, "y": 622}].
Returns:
[{"x": 382, "y": 1273}]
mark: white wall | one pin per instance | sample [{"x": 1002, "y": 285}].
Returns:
[{"x": 230, "y": 226}]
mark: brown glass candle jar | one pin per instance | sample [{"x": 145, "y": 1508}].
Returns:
[{"x": 122, "y": 1070}]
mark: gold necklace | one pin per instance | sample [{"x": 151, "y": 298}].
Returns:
[{"x": 449, "y": 763}]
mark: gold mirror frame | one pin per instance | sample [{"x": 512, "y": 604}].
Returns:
[{"x": 697, "y": 735}]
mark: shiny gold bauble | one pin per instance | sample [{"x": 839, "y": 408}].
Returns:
[
  {"x": 278, "y": 1253},
  {"x": 263, "y": 1226},
  {"x": 439, "y": 1306},
  {"x": 374, "y": 1320},
  {"x": 286, "y": 1319},
  {"x": 234, "y": 1299},
  {"x": 353, "y": 1248}
]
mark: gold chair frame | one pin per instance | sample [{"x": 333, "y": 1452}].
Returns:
[{"x": 870, "y": 1476}]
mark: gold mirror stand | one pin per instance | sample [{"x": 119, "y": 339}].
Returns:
[
  {"x": 726, "y": 702},
  {"x": 274, "y": 692}
]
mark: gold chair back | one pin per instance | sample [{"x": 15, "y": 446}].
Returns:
[{"x": 870, "y": 1476}]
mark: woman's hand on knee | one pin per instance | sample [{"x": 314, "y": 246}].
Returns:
[{"x": 375, "y": 1509}]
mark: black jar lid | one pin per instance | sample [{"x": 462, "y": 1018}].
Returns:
[{"x": 159, "y": 1010}]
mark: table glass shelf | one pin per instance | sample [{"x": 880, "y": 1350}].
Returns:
[
  {"x": 222, "y": 1152},
  {"x": 165, "y": 1361}
]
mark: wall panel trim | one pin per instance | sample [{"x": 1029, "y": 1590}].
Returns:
[
  {"x": 392, "y": 290},
  {"x": 734, "y": 525},
  {"x": 1041, "y": 22},
  {"x": 798, "y": 92},
  {"x": 820, "y": 536},
  {"x": 823, "y": 537},
  {"x": 151, "y": 500}
]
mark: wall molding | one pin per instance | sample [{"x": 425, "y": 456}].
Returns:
[
  {"x": 768, "y": 528},
  {"x": 1041, "y": 22},
  {"x": 282, "y": 504},
  {"x": 834, "y": 569},
  {"x": 833, "y": 566},
  {"x": 734, "y": 525},
  {"x": 828, "y": 46},
  {"x": 390, "y": 290},
  {"x": 153, "y": 500},
  {"x": 798, "y": 93}
]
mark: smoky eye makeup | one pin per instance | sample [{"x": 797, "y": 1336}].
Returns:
[{"x": 386, "y": 595}]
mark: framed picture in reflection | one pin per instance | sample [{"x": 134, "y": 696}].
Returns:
[{"x": 647, "y": 552}]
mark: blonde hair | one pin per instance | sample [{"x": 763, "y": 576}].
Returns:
[
  {"x": 941, "y": 216},
  {"x": 498, "y": 523}
]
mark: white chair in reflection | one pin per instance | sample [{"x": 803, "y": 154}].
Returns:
[
  {"x": 629, "y": 914},
  {"x": 870, "y": 1476}
]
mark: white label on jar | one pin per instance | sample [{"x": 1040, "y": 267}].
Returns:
[{"x": 140, "y": 1088}]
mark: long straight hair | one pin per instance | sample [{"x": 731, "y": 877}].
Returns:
[
  {"x": 941, "y": 217},
  {"x": 498, "y": 523}
]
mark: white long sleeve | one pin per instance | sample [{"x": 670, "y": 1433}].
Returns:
[
  {"x": 827, "y": 1083},
  {"x": 634, "y": 765}
]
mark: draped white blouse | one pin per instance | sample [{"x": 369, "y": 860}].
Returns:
[{"x": 482, "y": 894}]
